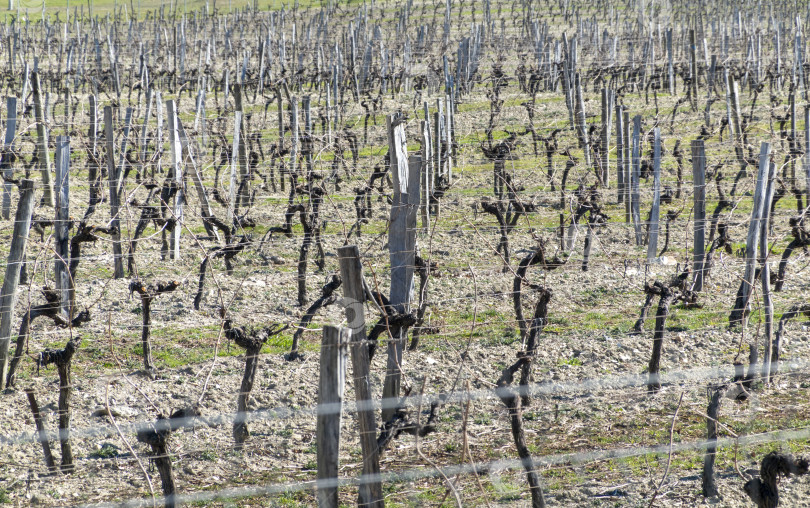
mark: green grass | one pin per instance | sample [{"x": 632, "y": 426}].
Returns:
[
  {"x": 107, "y": 451},
  {"x": 139, "y": 8}
]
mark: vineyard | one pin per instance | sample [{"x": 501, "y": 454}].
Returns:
[{"x": 405, "y": 253}]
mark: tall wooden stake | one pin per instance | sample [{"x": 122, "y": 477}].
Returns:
[
  {"x": 354, "y": 293},
  {"x": 401, "y": 248},
  {"x": 699, "y": 182},
  {"x": 43, "y": 154},
  {"x": 112, "y": 174},
  {"x": 330, "y": 403},
  {"x": 8, "y": 297},
  {"x": 5, "y": 164}
]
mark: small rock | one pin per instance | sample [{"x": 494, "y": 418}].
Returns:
[{"x": 102, "y": 411}]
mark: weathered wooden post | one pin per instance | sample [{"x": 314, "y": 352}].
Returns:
[
  {"x": 112, "y": 174},
  {"x": 122, "y": 153},
  {"x": 693, "y": 99},
  {"x": 280, "y": 104},
  {"x": 450, "y": 135},
  {"x": 707, "y": 114},
  {"x": 243, "y": 198},
  {"x": 237, "y": 120},
  {"x": 765, "y": 274},
  {"x": 159, "y": 131},
  {"x": 5, "y": 164},
  {"x": 427, "y": 171},
  {"x": 620, "y": 181},
  {"x": 63, "y": 277},
  {"x": 330, "y": 404},
  {"x": 143, "y": 151},
  {"x": 354, "y": 294},
  {"x": 8, "y": 297},
  {"x": 294, "y": 137},
  {"x": 177, "y": 175},
  {"x": 634, "y": 180},
  {"x": 401, "y": 248},
  {"x": 652, "y": 245},
  {"x": 699, "y": 182},
  {"x": 627, "y": 167},
  {"x": 43, "y": 154},
  {"x": 670, "y": 67},
  {"x": 606, "y": 120},
  {"x": 581, "y": 125},
  {"x": 807, "y": 152},
  {"x": 93, "y": 180},
  {"x": 205, "y": 205},
  {"x": 438, "y": 134},
  {"x": 736, "y": 113},
  {"x": 738, "y": 314}
]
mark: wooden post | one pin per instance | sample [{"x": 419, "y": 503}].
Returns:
[
  {"x": 8, "y": 297},
  {"x": 709, "y": 88},
  {"x": 438, "y": 134},
  {"x": 354, "y": 294},
  {"x": 735, "y": 114},
  {"x": 11, "y": 129},
  {"x": 143, "y": 141},
  {"x": 449, "y": 128},
  {"x": 92, "y": 164},
  {"x": 43, "y": 153},
  {"x": 581, "y": 125},
  {"x": 177, "y": 175},
  {"x": 401, "y": 248},
  {"x": 294, "y": 148},
  {"x": 765, "y": 274},
  {"x": 63, "y": 282},
  {"x": 280, "y": 104},
  {"x": 205, "y": 205},
  {"x": 652, "y": 245},
  {"x": 807, "y": 152},
  {"x": 159, "y": 131},
  {"x": 237, "y": 121},
  {"x": 122, "y": 153},
  {"x": 606, "y": 120},
  {"x": 620, "y": 181},
  {"x": 330, "y": 402},
  {"x": 241, "y": 154},
  {"x": 627, "y": 165},
  {"x": 306, "y": 104},
  {"x": 699, "y": 182},
  {"x": 670, "y": 67},
  {"x": 427, "y": 166},
  {"x": 737, "y": 315},
  {"x": 693, "y": 100},
  {"x": 112, "y": 174},
  {"x": 729, "y": 116},
  {"x": 634, "y": 179}
]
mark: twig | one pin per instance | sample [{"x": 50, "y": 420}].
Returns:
[
  {"x": 466, "y": 444},
  {"x": 422, "y": 455},
  {"x": 669, "y": 456},
  {"x": 124, "y": 439}
]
